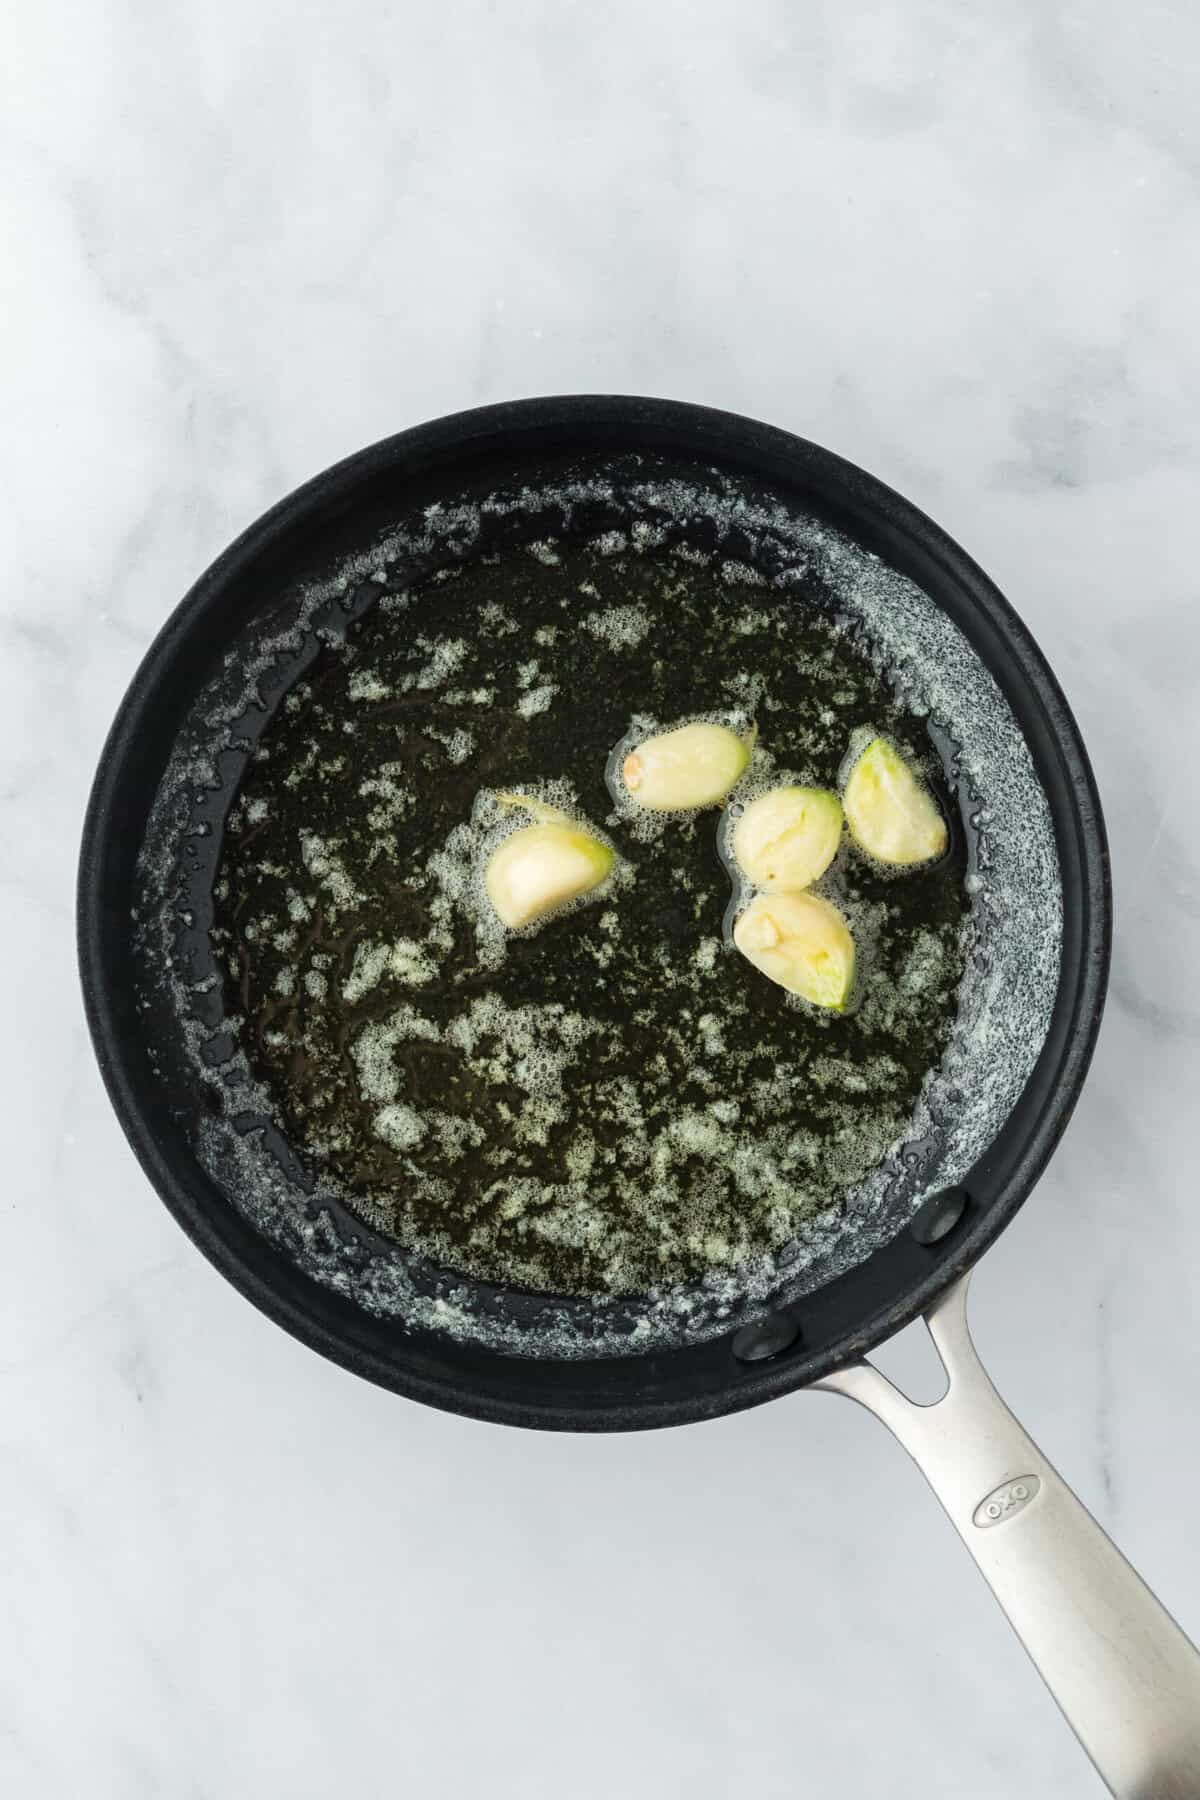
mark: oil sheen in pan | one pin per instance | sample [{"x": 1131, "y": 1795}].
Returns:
[
  {"x": 1005, "y": 996},
  {"x": 617, "y": 1101}
]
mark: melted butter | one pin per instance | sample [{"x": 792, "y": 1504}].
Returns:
[{"x": 616, "y": 1102}]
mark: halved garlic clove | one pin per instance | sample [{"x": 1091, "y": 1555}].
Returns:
[
  {"x": 788, "y": 837},
  {"x": 694, "y": 765},
  {"x": 541, "y": 867},
  {"x": 801, "y": 942},
  {"x": 890, "y": 812}
]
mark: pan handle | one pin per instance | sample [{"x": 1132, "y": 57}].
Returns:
[{"x": 1124, "y": 1674}]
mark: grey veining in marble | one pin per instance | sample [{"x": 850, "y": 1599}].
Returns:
[{"x": 961, "y": 245}]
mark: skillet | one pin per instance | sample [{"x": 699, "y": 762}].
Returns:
[{"x": 299, "y": 579}]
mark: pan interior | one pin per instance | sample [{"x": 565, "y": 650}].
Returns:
[{"x": 632, "y": 509}]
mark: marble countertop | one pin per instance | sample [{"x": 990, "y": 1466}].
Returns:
[{"x": 961, "y": 247}]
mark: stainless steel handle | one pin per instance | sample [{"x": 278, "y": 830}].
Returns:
[{"x": 1122, "y": 1671}]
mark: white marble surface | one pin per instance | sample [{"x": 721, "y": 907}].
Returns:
[{"x": 960, "y": 245}]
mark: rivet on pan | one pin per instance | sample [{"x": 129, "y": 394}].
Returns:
[
  {"x": 765, "y": 1338},
  {"x": 939, "y": 1215}
]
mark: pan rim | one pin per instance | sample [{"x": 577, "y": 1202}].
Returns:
[{"x": 250, "y": 1271}]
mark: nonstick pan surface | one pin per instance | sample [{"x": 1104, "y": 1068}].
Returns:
[{"x": 253, "y": 615}]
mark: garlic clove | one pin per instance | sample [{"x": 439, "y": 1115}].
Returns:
[
  {"x": 801, "y": 942},
  {"x": 787, "y": 837},
  {"x": 889, "y": 810},
  {"x": 693, "y": 766},
  {"x": 542, "y": 867}
]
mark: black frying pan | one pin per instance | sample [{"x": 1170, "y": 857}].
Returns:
[{"x": 1124, "y": 1674}]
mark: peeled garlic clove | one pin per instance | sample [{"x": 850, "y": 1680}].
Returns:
[
  {"x": 540, "y": 868},
  {"x": 890, "y": 812},
  {"x": 801, "y": 942},
  {"x": 788, "y": 837},
  {"x": 694, "y": 765}
]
